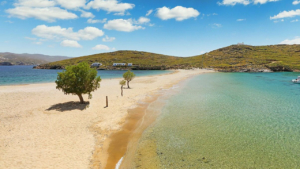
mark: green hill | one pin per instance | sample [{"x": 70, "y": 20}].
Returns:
[
  {"x": 243, "y": 57},
  {"x": 235, "y": 58}
]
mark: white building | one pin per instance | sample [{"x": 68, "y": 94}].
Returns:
[
  {"x": 129, "y": 64},
  {"x": 119, "y": 64},
  {"x": 97, "y": 64}
]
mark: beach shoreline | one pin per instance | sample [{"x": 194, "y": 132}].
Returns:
[
  {"x": 43, "y": 128},
  {"x": 151, "y": 112}
]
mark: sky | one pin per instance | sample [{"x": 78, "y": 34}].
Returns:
[{"x": 172, "y": 27}]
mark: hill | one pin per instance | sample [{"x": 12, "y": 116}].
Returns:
[
  {"x": 143, "y": 60},
  {"x": 29, "y": 59},
  {"x": 234, "y": 58},
  {"x": 255, "y": 58}
]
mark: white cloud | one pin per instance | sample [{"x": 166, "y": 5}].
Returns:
[
  {"x": 49, "y": 14},
  {"x": 149, "y": 12},
  {"x": 244, "y": 2},
  {"x": 56, "y": 32},
  {"x": 122, "y": 14},
  {"x": 101, "y": 47},
  {"x": 296, "y": 40},
  {"x": 122, "y": 25},
  {"x": 296, "y": 20},
  {"x": 179, "y": 13},
  {"x": 264, "y": 1},
  {"x": 108, "y": 39},
  {"x": 143, "y": 20},
  {"x": 286, "y": 14},
  {"x": 92, "y": 21},
  {"x": 240, "y": 20},
  {"x": 70, "y": 43},
  {"x": 35, "y": 3},
  {"x": 47, "y": 10},
  {"x": 110, "y": 6},
  {"x": 276, "y": 21},
  {"x": 29, "y": 38},
  {"x": 296, "y": 2},
  {"x": 85, "y": 14},
  {"x": 234, "y": 2},
  {"x": 216, "y": 25},
  {"x": 71, "y": 4},
  {"x": 38, "y": 43}
]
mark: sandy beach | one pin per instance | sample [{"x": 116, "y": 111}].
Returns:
[{"x": 43, "y": 128}]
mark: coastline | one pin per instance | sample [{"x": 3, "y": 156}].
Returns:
[
  {"x": 152, "y": 111},
  {"x": 47, "y": 82},
  {"x": 116, "y": 154},
  {"x": 41, "y": 127}
]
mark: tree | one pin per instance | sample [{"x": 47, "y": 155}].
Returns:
[
  {"x": 128, "y": 76},
  {"x": 77, "y": 80},
  {"x": 122, "y": 83}
]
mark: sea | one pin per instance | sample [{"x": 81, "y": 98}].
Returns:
[
  {"x": 226, "y": 120},
  {"x": 16, "y": 75},
  {"x": 214, "y": 120}
]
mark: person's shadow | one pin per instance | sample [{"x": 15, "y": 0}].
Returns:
[{"x": 68, "y": 106}]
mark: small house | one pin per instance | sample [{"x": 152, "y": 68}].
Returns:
[
  {"x": 97, "y": 64},
  {"x": 129, "y": 64},
  {"x": 119, "y": 64}
]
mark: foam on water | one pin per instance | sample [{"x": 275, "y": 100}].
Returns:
[
  {"x": 119, "y": 163},
  {"x": 227, "y": 120}
]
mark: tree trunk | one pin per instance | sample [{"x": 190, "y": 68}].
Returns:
[
  {"x": 81, "y": 98},
  {"x": 128, "y": 84},
  {"x": 121, "y": 90}
]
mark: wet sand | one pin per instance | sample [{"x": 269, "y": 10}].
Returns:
[{"x": 123, "y": 142}]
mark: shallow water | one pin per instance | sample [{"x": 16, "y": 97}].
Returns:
[
  {"x": 227, "y": 120},
  {"x": 13, "y": 75}
]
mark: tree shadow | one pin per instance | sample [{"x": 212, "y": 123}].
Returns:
[
  {"x": 128, "y": 88},
  {"x": 68, "y": 106}
]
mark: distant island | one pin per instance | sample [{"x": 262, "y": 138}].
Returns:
[
  {"x": 10, "y": 59},
  {"x": 234, "y": 58}
]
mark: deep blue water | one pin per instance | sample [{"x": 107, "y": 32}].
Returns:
[{"x": 13, "y": 75}]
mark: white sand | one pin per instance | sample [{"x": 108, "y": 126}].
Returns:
[{"x": 32, "y": 136}]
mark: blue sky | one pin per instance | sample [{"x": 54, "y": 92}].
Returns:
[{"x": 178, "y": 27}]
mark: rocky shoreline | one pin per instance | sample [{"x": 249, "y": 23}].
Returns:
[
  {"x": 6, "y": 64},
  {"x": 253, "y": 68},
  {"x": 14, "y": 64}
]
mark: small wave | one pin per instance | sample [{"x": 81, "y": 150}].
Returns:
[{"x": 119, "y": 163}]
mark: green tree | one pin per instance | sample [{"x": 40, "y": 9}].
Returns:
[
  {"x": 77, "y": 80},
  {"x": 128, "y": 76},
  {"x": 122, "y": 83}
]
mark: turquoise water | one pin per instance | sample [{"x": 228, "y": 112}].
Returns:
[
  {"x": 12, "y": 75},
  {"x": 228, "y": 120}
]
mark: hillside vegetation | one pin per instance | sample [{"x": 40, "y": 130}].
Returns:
[
  {"x": 236, "y": 58},
  {"x": 29, "y": 59}
]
